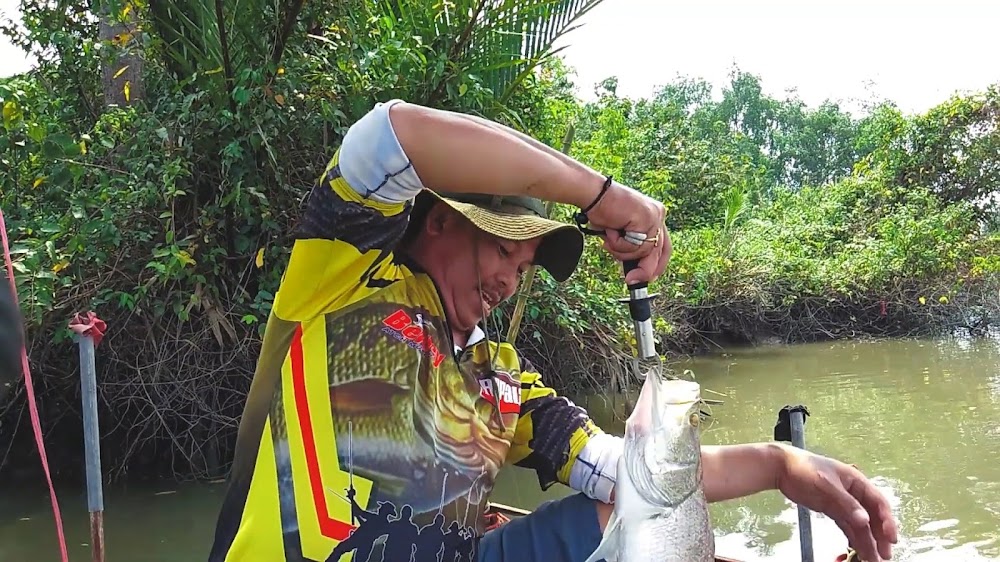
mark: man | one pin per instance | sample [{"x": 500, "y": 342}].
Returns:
[{"x": 378, "y": 394}]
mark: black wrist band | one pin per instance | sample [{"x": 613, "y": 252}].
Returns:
[{"x": 581, "y": 217}]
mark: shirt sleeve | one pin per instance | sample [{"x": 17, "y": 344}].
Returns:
[
  {"x": 559, "y": 441},
  {"x": 351, "y": 222},
  {"x": 374, "y": 163}
]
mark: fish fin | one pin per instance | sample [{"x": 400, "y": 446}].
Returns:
[{"x": 608, "y": 549}]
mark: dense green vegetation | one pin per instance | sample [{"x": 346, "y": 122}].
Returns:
[{"x": 155, "y": 164}]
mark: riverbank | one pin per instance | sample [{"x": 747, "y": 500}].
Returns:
[
  {"x": 915, "y": 414},
  {"x": 155, "y": 425},
  {"x": 173, "y": 383},
  {"x": 806, "y": 225}
]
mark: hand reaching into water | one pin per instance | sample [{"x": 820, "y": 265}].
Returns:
[{"x": 843, "y": 493}]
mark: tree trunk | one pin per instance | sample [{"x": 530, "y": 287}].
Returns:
[{"x": 121, "y": 73}]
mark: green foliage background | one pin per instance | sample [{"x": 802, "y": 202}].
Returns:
[{"x": 169, "y": 217}]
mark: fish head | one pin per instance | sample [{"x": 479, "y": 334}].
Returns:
[{"x": 663, "y": 441}]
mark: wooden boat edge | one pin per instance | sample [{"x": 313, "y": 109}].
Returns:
[{"x": 511, "y": 511}]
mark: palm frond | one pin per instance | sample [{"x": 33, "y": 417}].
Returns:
[
  {"x": 526, "y": 31},
  {"x": 498, "y": 41},
  {"x": 202, "y": 37}
]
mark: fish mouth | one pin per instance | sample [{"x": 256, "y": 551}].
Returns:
[{"x": 662, "y": 449}]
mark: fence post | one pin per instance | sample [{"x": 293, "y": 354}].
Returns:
[{"x": 89, "y": 331}]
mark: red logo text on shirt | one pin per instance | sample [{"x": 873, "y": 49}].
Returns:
[
  {"x": 508, "y": 389},
  {"x": 400, "y": 325}
]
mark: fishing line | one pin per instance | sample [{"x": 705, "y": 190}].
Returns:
[
  {"x": 486, "y": 332},
  {"x": 32, "y": 404}
]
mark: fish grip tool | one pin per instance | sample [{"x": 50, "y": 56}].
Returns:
[{"x": 640, "y": 309}]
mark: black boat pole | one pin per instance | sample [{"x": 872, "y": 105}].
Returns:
[{"x": 791, "y": 426}]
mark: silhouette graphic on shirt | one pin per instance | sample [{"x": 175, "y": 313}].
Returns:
[
  {"x": 452, "y": 541},
  {"x": 431, "y": 539},
  {"x": 404, "y": 541},
  {"x": 371, "y": 526},
  {"x": 401, "y": 537},
  {"x": 467, "y": 548}
]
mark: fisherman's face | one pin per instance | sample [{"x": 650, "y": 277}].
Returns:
[{"x": 501, "y": 263}]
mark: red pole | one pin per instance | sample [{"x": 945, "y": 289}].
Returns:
[{"x": 32, "y": 403}]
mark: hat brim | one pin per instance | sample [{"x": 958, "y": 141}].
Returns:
[{"x": 561, "y": 244}]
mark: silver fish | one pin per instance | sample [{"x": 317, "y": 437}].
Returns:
[{"x": 660, "y": 511}]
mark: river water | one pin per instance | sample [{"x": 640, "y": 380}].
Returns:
[{"x": 921, "y": 417}]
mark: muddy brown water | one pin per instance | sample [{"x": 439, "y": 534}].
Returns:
[{"x": 921, "y": 417}]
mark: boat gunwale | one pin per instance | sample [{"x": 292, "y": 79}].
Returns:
[{"x": 512, "y": 512}]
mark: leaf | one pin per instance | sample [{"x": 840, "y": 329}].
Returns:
[
  {"x": 60, "y": 266},
  {"x": 36, "y": 132},
  {"x": 922, "y": 300},
  {"x": 38, "y": 182},
  {"x": 121, "y": 71},
  {"x": 216, "y": 321},
  {"x": 260, "y": 258},
  {"x": 279, "y": 99},
  {"x": 185, "y": 258},
  {"x": 59, "y": 145},
  {"x": 10, "y": 112},
  {"x": 127, "y": 89}
]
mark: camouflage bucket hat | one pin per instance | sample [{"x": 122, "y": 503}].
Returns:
[{"x": 518, "y": 218}]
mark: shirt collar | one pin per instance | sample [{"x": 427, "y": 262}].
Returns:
[{"x": 475, "y": 337}]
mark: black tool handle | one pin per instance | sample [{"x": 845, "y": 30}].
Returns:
[
  {"x": 629, "y": 265},
  {"x": 639, "y": 309}
]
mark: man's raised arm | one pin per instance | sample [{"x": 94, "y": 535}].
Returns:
[{"x": 453, "y": 152}]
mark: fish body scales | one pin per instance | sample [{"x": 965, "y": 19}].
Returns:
[
  {"x": 661, "y": 513},
  {"x": 669, "y": 537},
  {"x": 651, "y": 533}
]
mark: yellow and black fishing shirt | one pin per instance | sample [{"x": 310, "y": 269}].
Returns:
[{"x": 364, "y": 429}]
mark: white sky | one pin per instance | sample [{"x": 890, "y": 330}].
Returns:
[{"x": 914, "y": 52}]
